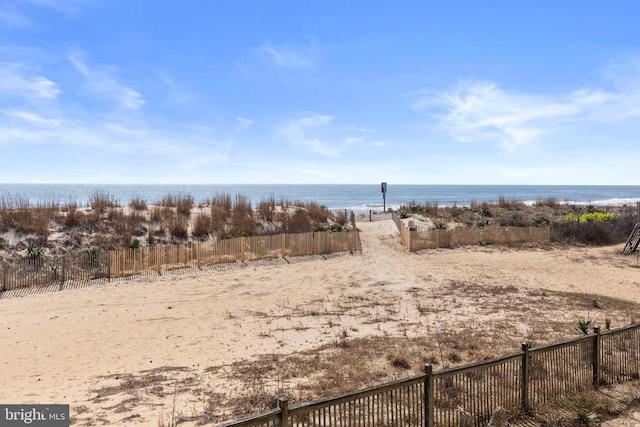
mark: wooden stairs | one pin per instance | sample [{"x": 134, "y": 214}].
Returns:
[{"x": 634, "y": 240}]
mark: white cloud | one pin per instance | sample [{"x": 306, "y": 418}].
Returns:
[
  {"x": 482, "y": 111},
  {"x": 353, "y": 140},
  {"x": 68, "y": 7},
  {"x": 12, "y": 18},
  {"x": 16, "y": 81},
  {"x": 102, "y": 82},
  {"x": 291, "y": 57},
  {"x": 243, "y": 124},
  {"x": 31, "y": 117},
  {"x": 301, "y": 132}
]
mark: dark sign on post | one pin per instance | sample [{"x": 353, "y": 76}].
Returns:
[{"x": 383, "y": 186}]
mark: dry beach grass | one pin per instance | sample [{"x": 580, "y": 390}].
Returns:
[{"x": 205, "y": 347}]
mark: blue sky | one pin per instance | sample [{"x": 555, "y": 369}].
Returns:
[{"x": 354, "y": 92}]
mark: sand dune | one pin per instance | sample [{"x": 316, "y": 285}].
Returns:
[{"x": 81, "y": 346}]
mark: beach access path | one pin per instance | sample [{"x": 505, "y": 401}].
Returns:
[{"x": 71, "y": 346}]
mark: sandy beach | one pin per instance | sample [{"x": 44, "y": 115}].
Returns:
[{"x": 137, "y": 351}]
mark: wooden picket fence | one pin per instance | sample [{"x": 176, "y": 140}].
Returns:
[
  {"x": 51, "y": 271},
  {"x": 470, "y": 395},
  {"x": 160, "y": 259},
  {"x": 416, "y": 240},
  {"x": 93, "y": 266}
]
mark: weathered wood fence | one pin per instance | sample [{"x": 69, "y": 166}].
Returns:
[
  {"x": 416, "y": 240},
  {"x": 471, "y": 394},
  {"x": 160, "y": 259},
  {"x": 94, "y": 266}
]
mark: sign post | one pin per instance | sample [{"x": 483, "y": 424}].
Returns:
[{"x": 384, "y": 196}]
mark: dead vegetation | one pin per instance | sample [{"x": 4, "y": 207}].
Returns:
[
  {"x": 107, "y": 224},
  {"x": 375, "y": 337},
  {"x": 548, "y": 212}
]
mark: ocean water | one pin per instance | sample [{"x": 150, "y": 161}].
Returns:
[{"x": 354, "y": 197}]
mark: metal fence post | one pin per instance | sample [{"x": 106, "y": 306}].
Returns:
[
  {"x": 524, "y": 393},
  {"x": 428, "y": 395},
  {"x": 596, "y": 356},
  {"x": 283, "y": 404}
]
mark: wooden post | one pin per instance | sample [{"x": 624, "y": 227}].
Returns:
[
  {"x": 242, "y": 243},
  {"x": 62, "y": 276},
  {"x": 370, "y": 215},
  {"x": 198, "y": 249},
  {"x": 428, "y": 395},
  {"x": 596, "y": 357},
  {"x": 284, "y": 244},
  {"x": 109, "y": 266},
  {"x": 283, "y": 404},
  {"x": 638, "y": 213},
  {"x": 4, "y": 276},
  {"x": 524, "y": 393},
  {"x": 159, "y": 260}
]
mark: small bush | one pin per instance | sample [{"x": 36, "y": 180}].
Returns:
[
  {"x": 184, "y": 205},
  {"x": 178, "y": 227},
  {"x": 267, "y": 209},
  {"x": 201, "y": 225},
  {"x": 609, "y": 232},
  {"x": 596, "y": 217},
  {"x": 399, "y": 361},
  {"x": 297, "y": 222},
  {"x": 583, "y": 325},
  {"x": 101, "y": 201},
  {"x": 138, "y": 204}
]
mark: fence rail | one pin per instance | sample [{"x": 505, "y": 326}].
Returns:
[
  {"x": 92, "y": 267},
  {"x": 416, "y": 240},
  {"x": 472, "y": 394}
]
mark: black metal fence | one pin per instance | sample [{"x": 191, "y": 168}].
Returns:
[{"x": 470, "y": 395}]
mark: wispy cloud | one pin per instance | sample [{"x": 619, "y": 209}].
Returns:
[
  {"x": 68, "y": 7},
  {"x": 11, "y": 17},
  {"x": 476, "y": 111},
  {"x": 15, "y": 14},
  {"x": 294, "y": 57},
  {"x": 16, "y": 80},
  {"x": 102, "y": 82},
  {"x": 304, "y": 130},
  {"x": 243, "y": 124}
]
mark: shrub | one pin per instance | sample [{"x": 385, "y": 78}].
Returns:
[
  {"x": 184, "y": 205},
  {"x": 73, "y": 218},
  {"x": 609, "y": 232},
  {"x": 156, "y": 214},
  {"x": 201, "y": 225},
  {"x": 571, "y": 217},
  {"x": 542, "y": 221},
  {"x": 34, "y": 252},
  {"x": 583, "y": 325},
  {"x": 596, "y": 217},
  {"x": 178, "y": 227},
  {"x": 100, "y": 201},
  {"x": 267, "y": 208},
  {"x": 551, "y": 202},
  {"x": 242, "y": 223},
  {"x": 134, "y": 244},
  {"x": 297, "y": 222},
  {"x": 138, "y": 204}
]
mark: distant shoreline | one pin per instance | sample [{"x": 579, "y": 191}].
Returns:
[{"x": 356, "y": 197}]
